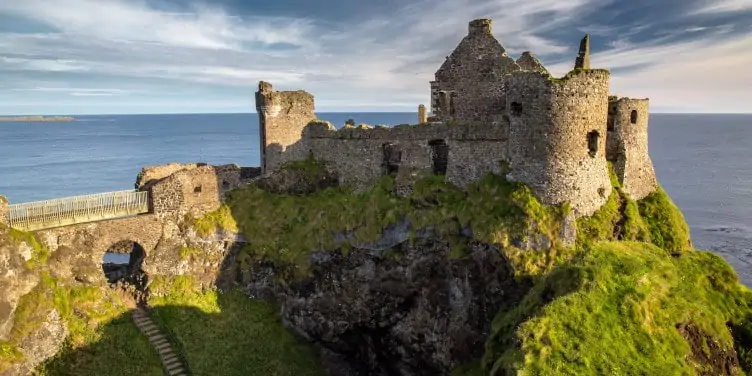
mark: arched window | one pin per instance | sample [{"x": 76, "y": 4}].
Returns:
[
  {"x": 633, "y": 117},
  {"x": 439, "y": 156},
  {"x": 392, "y": 158},
  {"x": 592, "y": 141}
]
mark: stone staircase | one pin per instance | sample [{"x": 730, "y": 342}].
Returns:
[{"x": 171, "y": 361}]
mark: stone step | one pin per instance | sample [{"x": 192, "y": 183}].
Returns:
[{"x": 171, "y": 362}]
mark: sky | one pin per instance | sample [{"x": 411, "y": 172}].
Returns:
[{"x": 137, "y": 56}]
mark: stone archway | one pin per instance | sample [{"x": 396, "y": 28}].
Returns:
[{"x": 122, "y": 262}]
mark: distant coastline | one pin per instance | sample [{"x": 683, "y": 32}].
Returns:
[{"x": 15, "y": 119}]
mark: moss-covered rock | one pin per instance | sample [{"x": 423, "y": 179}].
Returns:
[{"x": 620, "y": 307}]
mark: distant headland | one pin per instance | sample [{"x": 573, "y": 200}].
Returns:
[{"x": 35, "y": 118}]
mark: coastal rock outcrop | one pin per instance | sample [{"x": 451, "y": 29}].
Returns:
[
  {"x": 29, "y": 332},
  {"x": 412, "y": 310}
]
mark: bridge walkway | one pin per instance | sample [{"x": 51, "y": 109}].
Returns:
[{"x": 39, "y": 215}]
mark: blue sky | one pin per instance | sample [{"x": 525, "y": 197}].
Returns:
[{"x": 169, "y": 56}]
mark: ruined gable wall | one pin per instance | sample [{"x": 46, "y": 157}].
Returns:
[
  {"x": 357, "y": 154},
  {"x": 629, "y": 146},
  {"x": 196, "y": 191},
  {"x": 474, "y": 73},
  {"x": 548, "y": 137},
  {"x": 282, "y": 117},
  {"x": 151, "y": 174}
]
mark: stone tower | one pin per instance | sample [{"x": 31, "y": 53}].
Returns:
[
  {"x": 628, "y": 146},
  {"x": 282, "y": 117},
  {"x": 422, "y": 115},
  {"x": 557, "y": 137}
]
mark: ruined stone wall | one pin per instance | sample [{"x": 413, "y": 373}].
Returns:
[
  {"x": 358, "y": 156},
  {"x": 196, "y": 190},
  {"x": 628, "y": 146},
  {"x": 151, "y": 174},
  {"x": 550, "y": 121},
  {"x": 469, "y": 86},
  {"x": 282, "y": 116}
]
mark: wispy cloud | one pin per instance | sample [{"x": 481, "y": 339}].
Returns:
[
  {"x": 721, "y": 6},
  {"x": 386, "y": 59}
]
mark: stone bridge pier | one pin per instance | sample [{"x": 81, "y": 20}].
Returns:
[{"x": 78, "y": 250}]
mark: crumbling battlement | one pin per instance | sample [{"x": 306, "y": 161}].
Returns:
[
  {"x": 628, "y": 145},
  {"x": 556, "y": 134},
  {"x": 282, "y": 116},
  {"x": 195, "y": 189}
]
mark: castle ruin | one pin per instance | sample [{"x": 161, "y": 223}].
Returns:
[{"x": 557, "y": 135}]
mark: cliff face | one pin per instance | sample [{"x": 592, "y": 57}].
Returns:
[
  {"x": 413, "y": 310},
  {"x": 30, "y": 331}
]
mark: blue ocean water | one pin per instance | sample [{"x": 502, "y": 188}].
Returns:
[{"x": 702, "y": 161}]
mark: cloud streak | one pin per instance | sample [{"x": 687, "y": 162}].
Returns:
[{"x": 383, "y": 62}]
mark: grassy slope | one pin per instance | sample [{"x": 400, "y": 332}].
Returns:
[
  {"x": 615, "y": 309},
  {"x": 230, "y": 334}
]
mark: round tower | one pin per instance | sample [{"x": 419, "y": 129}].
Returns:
[
  {"x": 628, "y": 146},
  {"x": 557, "y": 137}
]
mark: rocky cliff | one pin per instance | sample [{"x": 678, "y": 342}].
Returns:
[{"x": 441, "y": 281}]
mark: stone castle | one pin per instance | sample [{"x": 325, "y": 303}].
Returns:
[{"x": 557, "y": 135}]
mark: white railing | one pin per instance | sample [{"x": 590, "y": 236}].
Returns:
[{"x": 78, "y": 209}]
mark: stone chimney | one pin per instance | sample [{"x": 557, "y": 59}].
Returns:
[
  {"x": 583, "y": 57},
  {"x": 480, "y": 26},
  {"x": 422, "y": 115}
]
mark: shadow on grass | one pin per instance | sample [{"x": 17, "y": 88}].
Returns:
[{"x": 221, "y": 334}]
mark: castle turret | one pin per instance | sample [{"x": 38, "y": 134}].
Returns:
[
  {"x": 628, "y": 146},
  {"x": 282, "y": 117},
  {"x": 557, "y": 142}
]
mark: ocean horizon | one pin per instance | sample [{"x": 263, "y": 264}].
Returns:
[{"x": 700, "y": 160}]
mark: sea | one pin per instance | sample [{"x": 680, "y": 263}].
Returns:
[{"x": 703, "y": 161}]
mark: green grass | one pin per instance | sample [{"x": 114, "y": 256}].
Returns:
[
  {"x": 613, "y": 310},
  {"x": 286, "y": 228},
  {"x": 102, "y": 337},
  {"x": 115, "y": 348},
  {"x": 653, "y": 219},
  {"x": 230, "y": 334},
  {"x": 102, "y": 340}
]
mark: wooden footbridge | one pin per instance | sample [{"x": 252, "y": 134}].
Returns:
[{"x": 68, "y": 211}]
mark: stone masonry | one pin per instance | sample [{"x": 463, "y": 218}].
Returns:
[
  {"x": 628, "y": 146},
  {"x": 196, "y": 189},
  {"x": 282, "y": 116},
  {"x": 556, "y": 137},
  {"x": 469, "y": 85},
  {"x": 583, "y": 57},
  {"x": 557, "y": 134}
]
